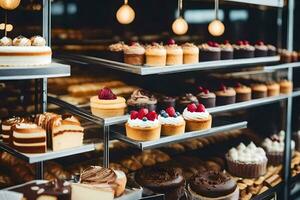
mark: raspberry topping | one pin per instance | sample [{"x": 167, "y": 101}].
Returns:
[
  {"x": 200, "y": 108},
  {"x": 206, "y": 91},
  {"x": 223, "y": 87},
  {"x": 238, "y": 85},
  {"x": 192, "y": 107},
  {"x": 240, "y": 42},
  {"x": 151, "y": 116},
  {"x": 246, "y": 42},
  {"x": 260, "y": 43},
  {"x": 133, "y": 43},
  {"x": 106, "y": 94},
  {"x": 200, "y": 89},
  {"x": 226, "y": 42},
  {"x": 134, "y": 114},
  {"x": 171, "y": 42},
  {"x": 142, "y": 113},
  {"x": 171, "y": 111}
]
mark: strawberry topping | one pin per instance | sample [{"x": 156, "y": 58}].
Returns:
[
  {"x": 152, "y": 116},
  {"x": 134, "y": 114},
  {"x": 200, "y": 108},
  {"x": 192, "y": 107},
  {"x": 171, "y": 111},
  {"x": 106, "y": 94},
  {"x": 142, "y": 113}
]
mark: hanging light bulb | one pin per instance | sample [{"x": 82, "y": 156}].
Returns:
[
  {"x": 125, "y": 14},
  {"x": 9, "y": 4},
  {"x": 216, "y": 27},
  {"x": 180, "y": 26}
]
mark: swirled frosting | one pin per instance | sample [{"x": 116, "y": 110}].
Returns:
[
  {"x": 5, "y": 41},
  {"x": 117, "y": 47},
  {"x": 97, "y": 175},
  {"x": 21, "y": 41},
  {"x": 194, "y": 115},
  {"x": 136, "y": 48},
  {"x": 143, "y": 123},
  {"x": 142, "y": 97},
  {"x": 38, "y": 41}
]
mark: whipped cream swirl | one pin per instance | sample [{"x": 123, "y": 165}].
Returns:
[
  {"x": 194, "y": 115},
  {"x": 143, "y": 124},
  {"x": 276, "y": 146},
  {"x": 171, "y": 120}
]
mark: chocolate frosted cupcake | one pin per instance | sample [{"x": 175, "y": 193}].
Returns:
[
  {"x": 207, "y": 98},
  {"x": 212, "y": 185},
  {"x": 174, "y": 53},
  {"x": 134, "y": 54},
  {"x": 259, "y": 91},
  {"x": 141, "y": 99},
  {"x": 184, "y": 100},
  {"x": 243, "y": 50},
  {"x": 243, "y": 93},
  {"x": 209, "y": 51},
  {"x": 116, "y": 51},
  {"x": 190, "y": 53},
  {"x": 272, "y": 51},
  {"x": 261, "y": 50},
  {"x": 226, "y": 51},
  {"x": 166, "y": 180},
  {"x": 165, "y": 102},
  {"x": 225, "y": 96}
]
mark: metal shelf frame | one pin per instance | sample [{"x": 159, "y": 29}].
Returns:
[{"x": 271, "y": 3}]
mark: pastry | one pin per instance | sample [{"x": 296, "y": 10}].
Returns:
[
  {"x": 261, "y": 50},
  {"x": 165, "y": 102},
  {"x": 134, "y": 54},
  {"x": 116, "y": 51},
  {"x": 29, "y": 138},
  {"x": 143, "y": 125},
  {"x": 142, "y": 99},
  {"x": 185, "y": 100},
  {"x": 196, "y": 117},
  {"x": 273, "y": 89},
  {"x": 166, "y": 180},
  {"x": 174, "y": 53},
  {"x": 156, "y": 55},
  {"x": 6, "y": 125},
  {"x": 285, "y": 56},
  {"x": 243, "y": 50},
  {"x": 259, "y": 91},
  {"x": 6, "y": 41},
  {"x": 107, "y": 104},
  {"x": 172, "y": 123},
  {"x": 294, "y": 56},
  {"x": 226, "y": 51},
  {"x": 212, "y": 185},
  {"x": 243, "y": 93},
  {"x": 286, "y": 86},
  {"x": 37, "y": 41},
  {"x": 247, "y": 161},
  {"x": 226, "y": 95},
  {"x": 272, "y": 51},
  {"x": 207, "y": 98},
  {"x": 190, "y": 53},
  {"x": 209, "y": 51}
]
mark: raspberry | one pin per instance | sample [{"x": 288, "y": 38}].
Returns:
[
  {"x": 151, "y": 116},
  {"x": 142, "y": 113},
  {"x": 171, "y": 42},
  {"x": 106, "y": 94},
  {"x": 134, "y": 114},
  {"x": 200, "y": 108},
  {"x": 171, "y": 111},
  {"x": 192, "y": 107}
]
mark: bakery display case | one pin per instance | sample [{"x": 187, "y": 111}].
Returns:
[{"x": 145, "y": 123}]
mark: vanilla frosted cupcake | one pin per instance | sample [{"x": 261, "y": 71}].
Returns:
[
  {"x": 190, "y": 53},
  {"x": 156, "y": 55},
  {"x": 197, "y": 117},
  {"x": 6, "y": 41},
  {"x": 21, "y": 41},
  {"x": 172, "y": 123},
  {"x": 174, "y": 53},
  {"x": 134, "y": 54}
]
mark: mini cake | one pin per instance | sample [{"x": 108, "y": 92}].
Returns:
[
  {"x": 225, "y": 95},
  {"x": 196, "y": 117},
  {"x": 174, "y": 53},
  {"x": 172, "y": 123},
  {"x": 273, "y": 89},
  {"x": 294, "y": 56},
  {"x": 243, "y": 50},
  {"x": 259, "y": 91},
  {"x": 156, "y": 55},
  {"x": 134, "y": 54},
  {"x": 29, "y": 138},
  {"x": 143, "y": 125},
  {"x": 142, "y": 99},
  {"x": 24, "y": 52},
  {"x": 6, "y": 128},
  {"x": 166, "y": 180},
  {"x": 116, "y": 51},
  {"x": 243, "y": 93},
  {"x": 185, "y": 100},
  {"x": 107, "y": 104},
  {"x": 274, "y": 148},
  {"x": 272, "y": 51},
  {"x": 207, "y": 98},
  {"x": 212, "y": 185},
  {"x": 286, "y": 86},
  {"x": 261, "y": 50},
  {"x": 247, "y": 161},
  {"x": 190, "y": 53},
  {"x": 165, "y": 102},
  {"x": 209, "y": 51},
  {"x": 226, "y": 51},
  {"x": 285, "y": 56}
]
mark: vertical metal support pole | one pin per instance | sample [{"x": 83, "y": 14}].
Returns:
[
  {"x": 279, "y": 27},
  {"x": 47, "y": 21},
  {"x": 290, "y": 25},
  {"x": 36, "y": 96},
  {"x": 106, "y": 146},
  {"x": 44, "y": 94},
  {"x": 39, "y": 170}
]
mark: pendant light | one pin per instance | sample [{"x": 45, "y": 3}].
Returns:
[
  {"x": 9, "y": 4},
  {"x": 180, "y": 26},
  {"x": 216, "y": 27},
  {"x": 125, "y": 14}
]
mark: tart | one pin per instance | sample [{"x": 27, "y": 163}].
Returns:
[
  {"x": 273, "y": 89},
  {"x": 225, "y": 95},
  {"x": 143, "y": 125},
  {"x": 209, "y": 51},
  {"x": 259, "y": 91},
  {"x": 174, "y": 53},
  {"x": 261, "y": 50},
  {"x": 207, "y": 98},
  {"x": 190, "y": 53},
  {"x": 243, "y": 50},
  {"x": 142, "y": 99},
  {"x": 196, "y": 117},
  {"x": 172, "y": 123},
  {"x": 134, "y": 54},
  {"x": 286, "y": 86},
  {"x": 226, "y": 51},
  {"x": 156, "y": 55},
  {"x": 107, "y": 104},
  {"x": 243, "y": 93}
]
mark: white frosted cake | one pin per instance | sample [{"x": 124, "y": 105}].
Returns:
[{"x": 23, "y": 51}]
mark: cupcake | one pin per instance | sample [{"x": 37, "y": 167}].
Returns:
[
  {"x": 226, "y": 95},
  {"x": 261, "y": 50},
  {"x": 247, "y": 161},
  {"x": 6, "y": 41},
  {"x": 174, "y": 53},
  {"x": 156, "y": 55},
  {"x": 116, "y": 51},
  {"x": 226, "y": 51},
  {"x": 134, "y": 54},
  {"x": 294, "y": 56},
  {"x": 210, "y": 185},
  {"x": 272, "y": 51},
  {"x": 273, "y": 89},
  {"x": 142, "y": 99},
  {"x": 243, "y": 50},
  {"x": 274, "y": 148},
  {"x": 165, "y": 102},
  {"x": 196, "y": 117},
  {"x": 190, "y": 53},
  {"x": 286, "y": 86},
  {"x": 285, "y": 56},
  {"x": 243, "y": 93},
  {"x": 160, "y": 179},
  {"x": 21, "y": 41},
  {"x": 185, "y": 100},
  {"x": 107, "y": 104},
  {"x": 209, "y": 51},
  {"x": 143, "y": 125},
  {"x": 172, "y": 123},
  {"x": 259, "y": 91},
  {"x": 207, "y": 98}
]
